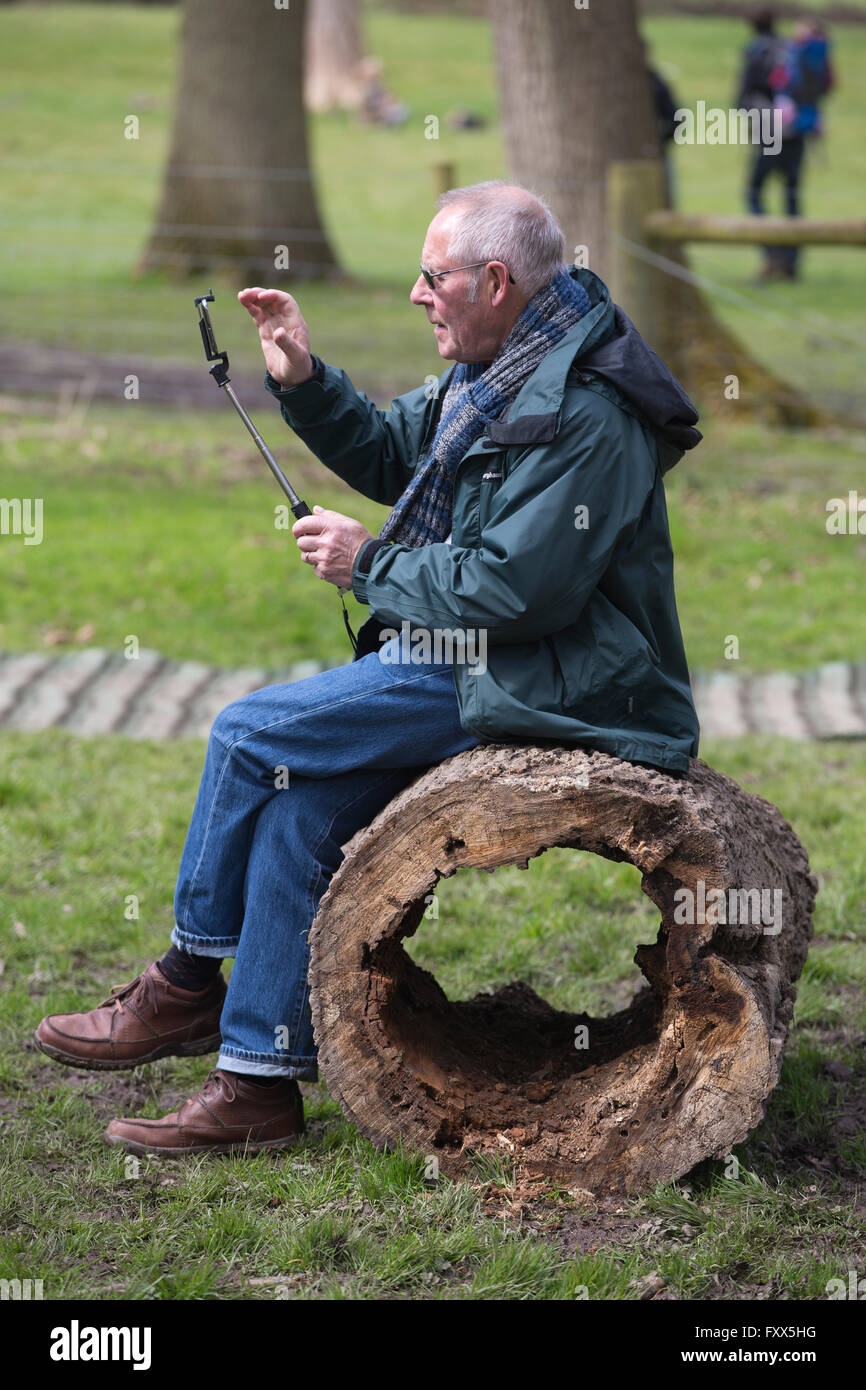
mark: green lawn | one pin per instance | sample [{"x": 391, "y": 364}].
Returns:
[
  {"x": 336, "y": 1219},
  {"x": 660, "y": 6},
  {"x": 162, "y": 526},
  {"x": 810, "y": 331},
  {"x": 80, "y": 197}
]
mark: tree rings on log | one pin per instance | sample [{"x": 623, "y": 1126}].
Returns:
[{"x": 682, "y": 1074}]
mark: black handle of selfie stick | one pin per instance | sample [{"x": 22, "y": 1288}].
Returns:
[{"x": 220, "y": 374}]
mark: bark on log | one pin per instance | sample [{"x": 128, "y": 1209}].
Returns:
[{"x": 681, "y": 1075}]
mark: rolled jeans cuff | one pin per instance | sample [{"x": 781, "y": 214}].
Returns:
[
  {"x": 258, "y": 1064},
  {"x": 222, "y": 946}
]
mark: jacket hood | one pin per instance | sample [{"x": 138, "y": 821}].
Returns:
[
  {"x": 607, "y": 352},
  {"x": 625, "y": 360}
]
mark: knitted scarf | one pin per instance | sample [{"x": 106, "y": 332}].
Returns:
[{"x": 476, "y": 394}]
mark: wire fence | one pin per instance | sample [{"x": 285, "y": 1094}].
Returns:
[
  {"x": 827, "y": 327},
  {"x": 831, "y": 353}
]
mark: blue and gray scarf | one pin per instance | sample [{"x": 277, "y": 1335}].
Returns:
[{"x": 476, "y": 395}]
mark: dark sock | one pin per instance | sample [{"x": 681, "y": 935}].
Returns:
[
  {"x": 255, "y": 1080},
  {"x": 188, "y": 971}
]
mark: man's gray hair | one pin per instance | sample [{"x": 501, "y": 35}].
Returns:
[{"x": 499, "y": 221}]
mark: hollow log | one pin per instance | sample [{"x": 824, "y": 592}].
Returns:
[{"x": 682, "y": 1074}]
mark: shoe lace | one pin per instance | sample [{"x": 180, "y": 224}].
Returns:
[
  {"x": 217, "y": 1081},
  {"x": 126, "y": 996}
]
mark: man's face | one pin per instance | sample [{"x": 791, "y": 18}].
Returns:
[{"x": 464, "y": 332}]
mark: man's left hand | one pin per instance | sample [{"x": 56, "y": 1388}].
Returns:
[{"x": 330, "y": 542}]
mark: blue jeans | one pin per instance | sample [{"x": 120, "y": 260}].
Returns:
[
  {"x": 788, "y": 163},
  {"x": 291, "y": 773}
]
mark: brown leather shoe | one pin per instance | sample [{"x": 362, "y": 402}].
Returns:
[
  {"x": 228, "y": 1115},
  {"x": 141, "y": 1021}
]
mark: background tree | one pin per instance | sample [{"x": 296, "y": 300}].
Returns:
[
  {"x": 575, "y": 97},
  {"x": 238, "y": 188},
  {"x": 334, "y": 53}
]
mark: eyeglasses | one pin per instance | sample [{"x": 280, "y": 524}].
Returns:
[{"x": 431, "y": 275}]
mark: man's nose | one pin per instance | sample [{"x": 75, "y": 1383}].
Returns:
[{"x": 420, "y": 292}]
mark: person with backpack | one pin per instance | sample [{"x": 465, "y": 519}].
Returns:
[
  {"x": 798, "y": 79},
  {"x": 761, "y": 57}
]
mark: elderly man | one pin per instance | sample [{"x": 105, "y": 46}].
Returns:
[{"x": 529, "y": 510}]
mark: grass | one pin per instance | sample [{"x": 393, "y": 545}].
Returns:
[
  {"x": 337, "y": 1219},
  {"x": 162, "y": 526},
  {"x": 805, "y": 331},
  {"x": 94, "y": 192},
  {"x": 80, "y": 197},
  {"x": 659, "y": 6}
]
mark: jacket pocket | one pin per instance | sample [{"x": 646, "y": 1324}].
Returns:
[{"x": 602, "y": 656}]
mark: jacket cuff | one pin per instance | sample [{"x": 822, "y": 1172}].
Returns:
[
  {"x": 361, "y": 567},
  {"x": 291, "y": 393}
]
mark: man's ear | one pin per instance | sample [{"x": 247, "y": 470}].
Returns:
[{"x": 500, "y": 274}]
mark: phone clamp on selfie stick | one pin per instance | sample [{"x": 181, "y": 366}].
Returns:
[{"x": 220, "y": 373}]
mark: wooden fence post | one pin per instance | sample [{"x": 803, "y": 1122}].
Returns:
[
  {"x": 635, "y": 188},
  {"x": 444, "y": 177}
]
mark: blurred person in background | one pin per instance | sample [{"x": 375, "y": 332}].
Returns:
[
  {"x": 792, "y": 78},
  {"x": 665, "y": 108}
]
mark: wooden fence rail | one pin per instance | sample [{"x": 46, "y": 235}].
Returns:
[
  {"x": 641, "y": 231},
  {"x": 666, "y": 225}
]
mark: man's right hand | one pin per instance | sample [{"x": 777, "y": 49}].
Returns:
[{"x": 284, "y": 334}]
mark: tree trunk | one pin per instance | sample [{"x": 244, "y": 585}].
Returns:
[
  {"x": 333, "y": 76},
  {"x": 681, "y": 1075},
  {"x": 575, "y": 98},
  {"x": 238, "y": 192}
]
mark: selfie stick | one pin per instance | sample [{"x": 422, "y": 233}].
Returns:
[{"x": 220, "y": 374}]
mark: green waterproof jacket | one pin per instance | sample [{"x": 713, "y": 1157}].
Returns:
[{"x": 560, "y": 551}]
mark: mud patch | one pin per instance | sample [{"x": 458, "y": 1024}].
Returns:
[{"x": 584, "y": 1232}]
